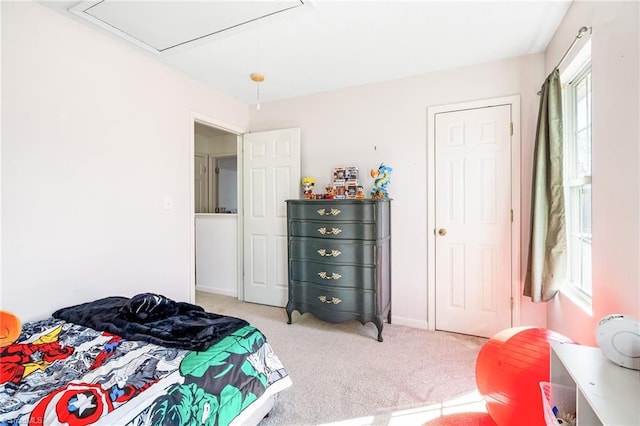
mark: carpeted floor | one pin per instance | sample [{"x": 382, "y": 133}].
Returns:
[{"x": 343, "y": 376}]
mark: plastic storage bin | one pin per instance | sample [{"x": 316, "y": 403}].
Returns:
[{"x": 560, "y": 396}]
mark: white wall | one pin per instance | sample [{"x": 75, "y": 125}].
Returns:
[
  {"x": 1, "y": 173},
  {"x": 387, "y": 122},
  {"x": 217, "y": 253},
  {"x": 615, "y": 48},
  {"x": 217, "y": 145},
  {"x": 95, "y": 134}
]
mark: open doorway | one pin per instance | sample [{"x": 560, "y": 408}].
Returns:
[
  {"x": 216, "y": 225},
  {"x": 266, "y": 176},
  {"x": 215, "y": 170}
]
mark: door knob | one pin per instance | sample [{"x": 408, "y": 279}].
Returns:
[{"x": 442, "y": 232}]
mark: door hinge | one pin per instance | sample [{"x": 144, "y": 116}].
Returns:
[
  {"x": 511, "y": 128},
  {"x": 511, "y": 215},
  {"x": 512, "y": 302},
  {"x": 217, "y": 170}
]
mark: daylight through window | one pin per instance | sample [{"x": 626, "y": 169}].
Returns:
[{"x": 577, "y": 171}]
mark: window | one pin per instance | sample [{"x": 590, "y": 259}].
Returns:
[{"x": 577, "y": 170}]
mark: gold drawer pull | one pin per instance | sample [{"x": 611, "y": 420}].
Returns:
[
  {"x": 332, "y": 301},
  {"x": 333, "y": 276},
  {"x": 332, "y": 253},
  {"x": 332, "y": 212},
  {"x": 333, "y": 231}
]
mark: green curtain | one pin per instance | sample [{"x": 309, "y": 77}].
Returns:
[{"x": 546, "y": 268}]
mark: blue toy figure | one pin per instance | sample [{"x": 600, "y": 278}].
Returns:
[{"x": 382, "y": 176}]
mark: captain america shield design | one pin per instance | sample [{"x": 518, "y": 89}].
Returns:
[{"x": 77, "y": 404}]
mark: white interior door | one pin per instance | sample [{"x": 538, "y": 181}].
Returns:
[
  {"x": 201, "y": 183},
  {"x": 271, "y": 175},
  {"x": 473, "y": 216}
]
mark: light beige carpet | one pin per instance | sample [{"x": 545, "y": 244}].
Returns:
[{"x": 341, "y": 373}]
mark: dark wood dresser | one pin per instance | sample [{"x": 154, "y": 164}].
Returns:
[{"x": 340, "y": 259}]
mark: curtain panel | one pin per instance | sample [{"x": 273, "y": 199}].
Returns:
[{"x": 547, "y": 263}]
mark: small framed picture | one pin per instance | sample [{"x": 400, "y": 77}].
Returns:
[
  {"x": 351, "y": 173},
  {"x": 352, "y": 188},
  {"x": 340, "y": 189}
]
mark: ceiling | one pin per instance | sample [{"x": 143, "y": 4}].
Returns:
[{"x": 304, "y": 47}]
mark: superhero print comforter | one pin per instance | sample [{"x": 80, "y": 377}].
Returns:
[{"x": 62, "y": 373}]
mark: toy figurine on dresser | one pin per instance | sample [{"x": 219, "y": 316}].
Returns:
[
  {"x": 329, "y": 192},
  {"x": 381, "y": 177},
  {"x": 307, "y": 187}
]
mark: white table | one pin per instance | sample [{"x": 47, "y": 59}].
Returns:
[{"x": 606, "y": 394}]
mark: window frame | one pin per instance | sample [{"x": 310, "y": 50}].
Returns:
[{"x": 577, "y": 288}]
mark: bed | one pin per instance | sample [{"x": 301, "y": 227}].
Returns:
[{"x": 145, "y": 360}]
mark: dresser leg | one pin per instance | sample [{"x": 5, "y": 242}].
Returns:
[
  {"x": 378, "y": 322},
  {"x": 289, "y": 315}
]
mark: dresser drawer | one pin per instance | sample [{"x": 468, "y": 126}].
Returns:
[
  {"x": 332, "y": 299},
  {"x": 333, "y": 231},
  {"x": 353, "y": 276},
  {"x": 329, "y": 211},
  {"x": 333, "y": 252}
]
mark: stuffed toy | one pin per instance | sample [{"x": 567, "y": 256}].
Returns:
[{"x": 10, "y": 328}]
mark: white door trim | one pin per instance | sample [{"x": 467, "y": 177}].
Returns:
[
  {"x": 212, "y": 122},
  {"x": 514, "y": 101}
]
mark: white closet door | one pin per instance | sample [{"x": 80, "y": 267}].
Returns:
[{"x": 473, "y": 220}]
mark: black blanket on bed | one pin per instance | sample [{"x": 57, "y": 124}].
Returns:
[{"x": 153, "y": 318}]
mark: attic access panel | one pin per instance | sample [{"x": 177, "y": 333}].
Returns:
[{"x": 162, "y": 25}]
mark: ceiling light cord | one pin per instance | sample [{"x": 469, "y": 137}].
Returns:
[
  {"x": 258, "y": 38},
  {"x": 258, "y": 78},
  {"x": 258, "y": 95}
]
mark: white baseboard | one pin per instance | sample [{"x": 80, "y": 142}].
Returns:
[
  {"x": 407, "y": 322},
  {"x": 410, "y": 322},
  {"x": 216, "y": 290}
]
